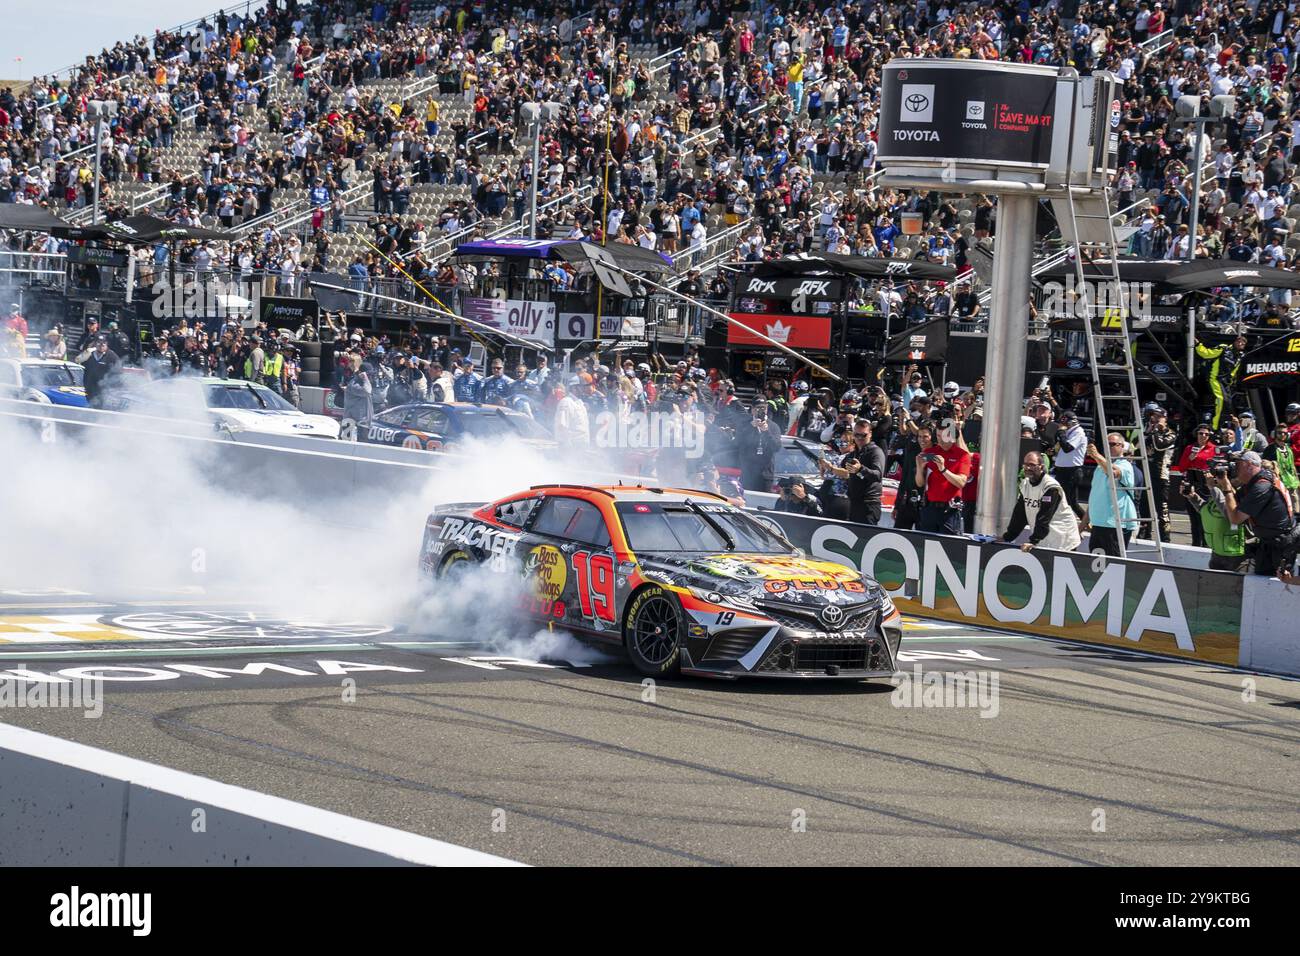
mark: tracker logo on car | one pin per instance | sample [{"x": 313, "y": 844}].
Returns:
[{"x": 500, "y": 545}]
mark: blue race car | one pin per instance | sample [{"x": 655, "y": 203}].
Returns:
[
  {"x": 431, "y": 426},
  {"x": 47, "y": 381}
]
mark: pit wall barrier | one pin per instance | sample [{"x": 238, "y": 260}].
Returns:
[
  {"x": 295, "y": 467},
  {"x": 1185, "y": 612},
  {"x": 1179, "y": 608},
  {"x": 66, "y": 804}
]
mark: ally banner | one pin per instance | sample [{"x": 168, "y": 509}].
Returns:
[{"x": 1137, "y": 605}]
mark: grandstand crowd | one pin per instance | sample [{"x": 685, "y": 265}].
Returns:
[{"x": 674, "y": 123}]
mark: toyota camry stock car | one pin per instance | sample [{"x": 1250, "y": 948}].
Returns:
[{"x": 682, "y": 579}]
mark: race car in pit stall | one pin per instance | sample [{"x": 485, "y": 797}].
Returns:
[
  {"x": 432, "y": 426},
  {"x": 683, "y": 580},
  {"x": 798, "y": 459},
  {"x": 232, "y": 405},
  {"x": 47, "y": 381}
]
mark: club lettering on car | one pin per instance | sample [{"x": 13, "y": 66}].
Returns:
[{"x": 682, "y": 580}]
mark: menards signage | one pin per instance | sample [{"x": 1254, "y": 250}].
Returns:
[{"x": 1134, "y": 604}]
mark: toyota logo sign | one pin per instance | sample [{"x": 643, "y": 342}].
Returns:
[
  {"x": 832, "y": 616},
  {"x": 916, "y": 102}
]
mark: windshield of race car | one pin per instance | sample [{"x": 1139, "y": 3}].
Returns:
[
  {"x": 691, "y": 526},
  {"x": 53, "y": 376},
  {"x": 795, "y": 460},
  {"x": 247, "y": 397}
]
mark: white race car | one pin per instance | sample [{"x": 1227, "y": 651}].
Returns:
[{"x": 232, "y": 404}]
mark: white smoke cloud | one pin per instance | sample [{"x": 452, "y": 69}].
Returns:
[{"x": 131, "y": 516}]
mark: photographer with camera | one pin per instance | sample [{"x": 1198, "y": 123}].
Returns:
[
  {"x": 1226, "y": 540},
  {"x": 1066, "y": 468},
  {"x": 1042, "y": 502},
  {"x": 757, "y": 446},
  {"x": 911, "y": 492},
  {"x": 943, "y": 470},
  {"x": 864, "y": 469},
  {"x": 1251, "y": 494},
  {"x": 795, "y": 499},
  {"x": 1159, "y": 439}
]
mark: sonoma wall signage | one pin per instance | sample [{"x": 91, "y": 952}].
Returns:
[{"x": 1133, "y": 604}]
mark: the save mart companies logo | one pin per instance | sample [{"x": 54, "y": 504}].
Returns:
[{"x": 1140, "y": 605}]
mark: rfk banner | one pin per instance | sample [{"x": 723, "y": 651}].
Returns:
[
  {"x": 927, "y": 342},
  {"x": 777, "y": 288},
  {"x": 792, "y": 331}
]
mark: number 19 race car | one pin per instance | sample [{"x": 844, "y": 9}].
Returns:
[{"x": 683, "y": 580}]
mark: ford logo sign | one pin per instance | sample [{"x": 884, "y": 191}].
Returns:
[
  {"x": 1075, "y": 363},
  {"x": 1160, "y": 369}
]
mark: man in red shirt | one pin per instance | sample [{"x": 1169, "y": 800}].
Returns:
[
  {"x": 15, "y": 321},
  {"x": 944, "y": 469}
]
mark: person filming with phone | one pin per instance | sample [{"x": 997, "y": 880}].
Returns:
[{"x": 943, "y": 469}]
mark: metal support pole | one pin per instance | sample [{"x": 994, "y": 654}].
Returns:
[
  {"x": 1196, "y": 188},
  {"x": 1005, "y": 373},
  {"x": 537, "y": 145},
  {"x": 99, "y": 145}
]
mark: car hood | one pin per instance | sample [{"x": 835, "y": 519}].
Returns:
[
  {"x": 279, "y": 423},
  {"x": 767, "y": 577},
  {"x": 73, "y": 395}
]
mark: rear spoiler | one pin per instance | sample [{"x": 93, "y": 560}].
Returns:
[{"x": 455, "y": 506}]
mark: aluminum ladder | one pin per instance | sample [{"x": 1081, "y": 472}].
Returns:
[{"x": 1110, "y": 349}]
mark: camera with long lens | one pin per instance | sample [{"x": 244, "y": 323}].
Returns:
[{"x": 1225, "y": 466}]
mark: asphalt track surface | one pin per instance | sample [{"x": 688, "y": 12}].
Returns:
[{"x": 1081, "y": 756}]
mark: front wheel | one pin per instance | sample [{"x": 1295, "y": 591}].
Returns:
[{"x": 653, "y": 632}]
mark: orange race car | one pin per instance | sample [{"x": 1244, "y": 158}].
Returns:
[{"x": 682, "y": 579}]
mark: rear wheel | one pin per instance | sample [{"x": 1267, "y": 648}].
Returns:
[
  {"x": 653, "y": 632},
  {"x": 454, "y": 567}
]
